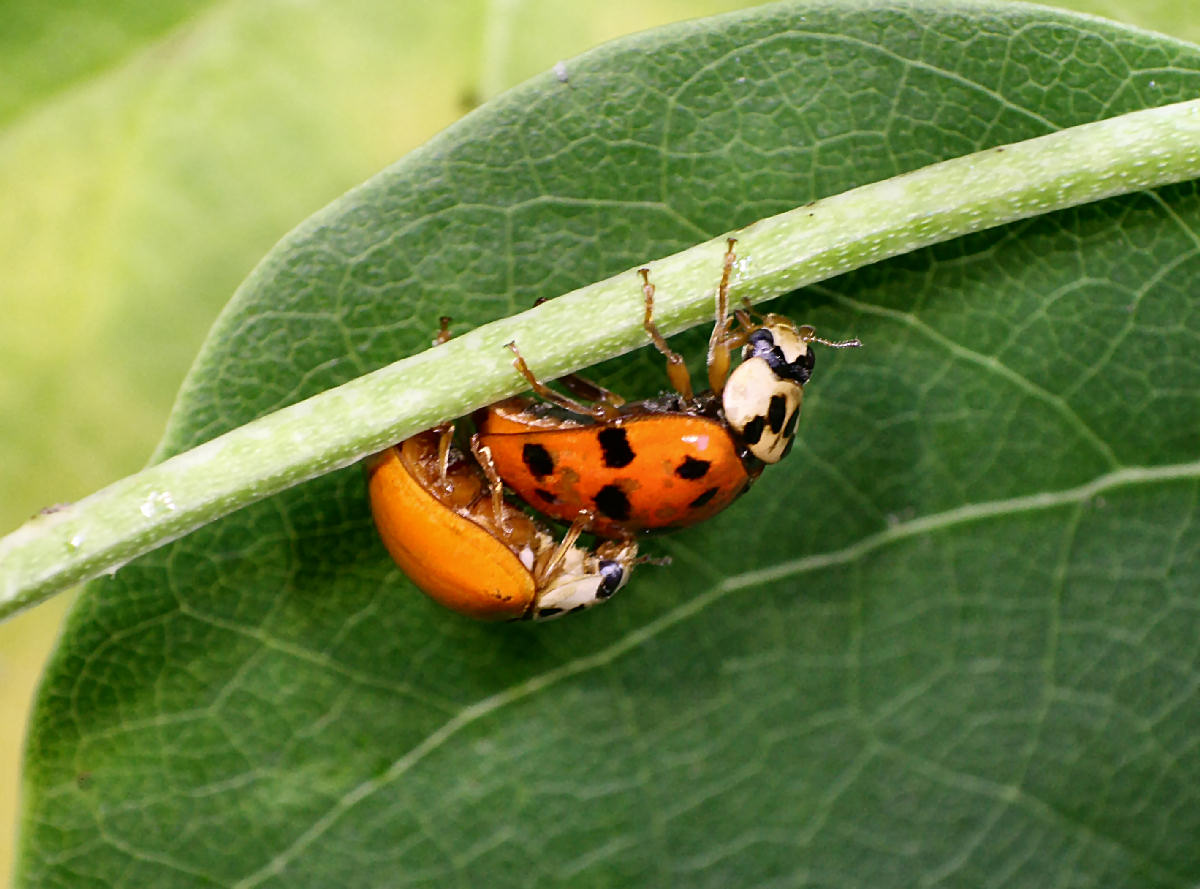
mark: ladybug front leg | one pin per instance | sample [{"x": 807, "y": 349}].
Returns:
[
  {"x": 445, "y": 431},
  {"x": 677, "y": 371},
  {"x": 720, "y": 343}
]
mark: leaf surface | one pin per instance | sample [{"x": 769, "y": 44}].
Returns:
[{"x": 951, "y": 639}]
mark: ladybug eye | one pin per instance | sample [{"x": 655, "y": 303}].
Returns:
[
  {"x": 612, "y": 578},
  {"x": 760, "y": 344}
]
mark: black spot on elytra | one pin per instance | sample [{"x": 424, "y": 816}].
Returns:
[
  {"x": 752, "y": 431},
  {"x": 545, "y": 495},
  {"x": 789, "y": 428},
  {"x": 538, "y": 460},
  {"x": 703, "y": 499},
  {"x": 692, "y": 469},
  {"x": 612, "y": 503},
  {"x": 615, "y": 445},
  {"x": 777, "y": 413}
]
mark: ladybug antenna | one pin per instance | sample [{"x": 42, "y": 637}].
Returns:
[
  {"x": 660, "y": 561},
  {"x": 810, "y": 336}
]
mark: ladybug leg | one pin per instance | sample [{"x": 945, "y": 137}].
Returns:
[
  {"x": 546, "y": 571},
  {"x": 719, "y": 343},
  {"x": 585, "y": 389},
  {"x": 743, "y": 325},
  {"x": 445, "y": 439},
  {"x": 677, "y": 372},
  {"x": 720, "y": 347},
  {"x": 747, "y": 323},
  {"x": 582, "y": 387},
  {"x": 611, "y": 549},
  {"x": 601, "y": 410},
  {"x": 443, "y": 334},
  {"x": 483, "y": 457}
]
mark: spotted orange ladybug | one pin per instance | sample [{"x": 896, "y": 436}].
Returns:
[
  {"x": 664, "y": 462},
  {"x": 448, "y": 527}
]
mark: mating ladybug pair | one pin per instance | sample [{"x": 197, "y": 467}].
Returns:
[{"x": 606, "y": 467}]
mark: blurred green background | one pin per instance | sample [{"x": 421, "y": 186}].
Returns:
[{"x": 151, "y": 153}]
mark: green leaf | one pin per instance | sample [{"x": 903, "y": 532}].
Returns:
[{"x": 951, "y": 639}]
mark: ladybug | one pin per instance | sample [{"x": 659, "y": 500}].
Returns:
[
  {"x": 475, "y": 553},
  {"x": 664, "y": 462},
  {"x": 443, "y": 518}
]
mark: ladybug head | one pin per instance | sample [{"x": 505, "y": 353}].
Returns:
[
  {"x": 585, "y": 578},
  {"x": 783, "y": 346}
]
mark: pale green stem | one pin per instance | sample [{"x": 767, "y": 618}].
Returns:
[{"x": 1125, "y": 154}]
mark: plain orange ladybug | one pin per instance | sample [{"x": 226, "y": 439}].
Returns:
[
  {"x": 664, "y": 462},
  {"x": 438, "y": 521},
  {"x": 447, "y": 526}
]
